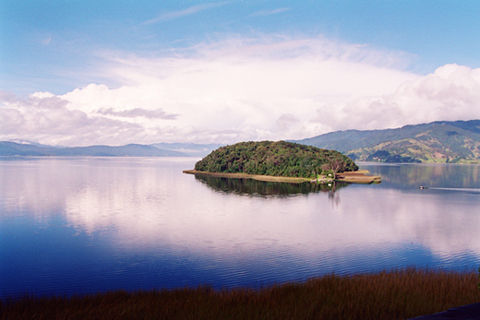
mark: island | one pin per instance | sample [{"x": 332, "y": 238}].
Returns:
[{"x": 281, "y": 161}]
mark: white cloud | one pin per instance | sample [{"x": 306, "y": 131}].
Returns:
[
  {"x": 172, "y": 15},
  {"x": 46, "y": 118},
  {"x": 263, "y": 13},
  {"x": 452, "y": 92},
  {"x": 244, "y": 89},
  {"x": 46, "y": 41},
  {"x": 138, "y": 112}
]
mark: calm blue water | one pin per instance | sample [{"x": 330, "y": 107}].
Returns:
[{"x": 82, "y": 225}]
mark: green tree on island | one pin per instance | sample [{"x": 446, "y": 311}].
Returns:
[{"x": 278, "y": 158}]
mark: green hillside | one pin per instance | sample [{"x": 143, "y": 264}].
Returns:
[
  {"x": 438, "y": 142},
  {"x": 276, "y": 159}
]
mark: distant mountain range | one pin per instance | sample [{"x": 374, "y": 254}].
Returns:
[
  {"x": 438, "y": 142},
  {"x": 25, "y": 148}
]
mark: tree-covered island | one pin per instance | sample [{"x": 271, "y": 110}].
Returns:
[{"x": 277, "y": 161}]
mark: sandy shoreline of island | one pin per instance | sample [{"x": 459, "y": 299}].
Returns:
[{"x": 360, "y": 176}]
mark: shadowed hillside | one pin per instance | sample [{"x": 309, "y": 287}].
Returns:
[{"x": 441, "y": 141}]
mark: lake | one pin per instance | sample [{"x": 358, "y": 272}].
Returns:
[{"x": 82, "y": 225}]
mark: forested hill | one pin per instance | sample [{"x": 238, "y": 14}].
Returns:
[
  {"x": 275, "y": 158},
  {"x": 441, "y": 141}
]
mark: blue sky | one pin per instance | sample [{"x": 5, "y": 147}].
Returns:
[
  {"x": 61, "y": 46},
  {"x": 43, "y": 41}
]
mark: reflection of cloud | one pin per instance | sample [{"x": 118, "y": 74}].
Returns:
[
  {"x": 25, "y": 186},
  {"x": 149, "y": 203},
  {"x": 443, "y": 224},
  {"x": 365, "y": 218}
]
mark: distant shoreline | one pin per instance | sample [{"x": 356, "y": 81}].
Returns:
[{"x": 360, "y": 176}]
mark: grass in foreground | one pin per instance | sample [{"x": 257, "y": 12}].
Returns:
[{"x": 384, "y": 295}]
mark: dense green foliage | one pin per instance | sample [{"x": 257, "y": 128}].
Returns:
[
  {"x": 441, "y": 141},
  {"x": 276, "y": 159}
]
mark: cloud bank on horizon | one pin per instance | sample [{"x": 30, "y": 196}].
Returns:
[
  {"x": 244, "y": 89},
  {"x": 269, "y": 86}
]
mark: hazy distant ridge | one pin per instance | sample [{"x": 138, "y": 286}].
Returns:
[
  {"x": 9, "y": 148},
  {"x": 440, "y": 141}
]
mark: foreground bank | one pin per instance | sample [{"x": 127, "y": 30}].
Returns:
[{"x": 386, "y": 295}]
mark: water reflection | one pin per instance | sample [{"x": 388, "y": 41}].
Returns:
[
  {"x": 142, "y": 223},
  {"x": 406, "y": 176},
  {"x": 146, "y": 203},
  {"x": 262, "y": 188}
]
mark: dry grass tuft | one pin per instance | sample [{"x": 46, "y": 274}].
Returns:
[{"x": 385, "y": 295}]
